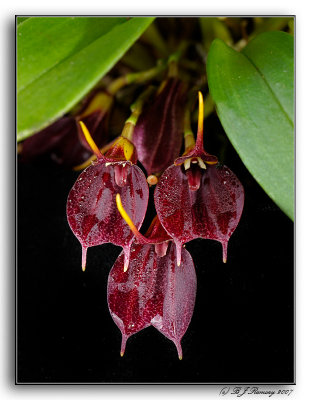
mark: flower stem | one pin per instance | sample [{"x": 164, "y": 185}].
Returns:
[
  {"x": 116, "y": 85},
  {"x": 140, "y": 77},
  {"x": 135, "y": 77},
  {"x": 127, "y": 132},
  {"x": 175, "y": 58},
  {"x": 136, "y": 109}
]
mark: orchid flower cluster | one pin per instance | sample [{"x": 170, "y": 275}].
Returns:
[{"x": 153, "y": 281}]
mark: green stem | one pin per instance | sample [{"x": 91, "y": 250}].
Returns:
[
  {"x": 143, "y": 76},
  {"x": 136, "y": 109},
  {"x": 174, "y": 59},
  {"x": 136, "y": 77},
  {"x": 116, "y": 85},
  {"x": 139, "y": 77}
]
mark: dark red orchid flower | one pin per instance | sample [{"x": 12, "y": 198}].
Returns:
[
  {"x": 64, "y": 141},
  {"x": 158, "y": 133},
  {"x": 197, "y": 198},
  {"x": 153, "y": 291},
  {"x": 91, "y": 208}
]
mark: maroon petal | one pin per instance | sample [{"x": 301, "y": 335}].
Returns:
[
  {"x": 156, "y": 231},
  {"x": 156, "y": 234},
  {"x": 47, "y": 139},
  {"x": 63, "y": 140},
  {"x": 130, "y": 292},
  {"x": 91, "y": 206},
  {"x": 152, "y": 291},
  {"x": 159, "y": 130},
  {"x": 72, "y": 150},
  {"x": 121, "y": 173},
  {"x": 211, "y": 212},
  {"x": 174, "y": 297}
]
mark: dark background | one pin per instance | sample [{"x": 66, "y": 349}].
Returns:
[{"x": 242, "y": 328}]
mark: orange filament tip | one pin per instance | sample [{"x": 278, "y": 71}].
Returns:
[
  {"x": 152, "y": 180},
  {"x": 121, "y": 353},
  {"x": 90, "y": 140},
  {"x": 125, "y": 216},
  {"x": 201, "y": 113}
]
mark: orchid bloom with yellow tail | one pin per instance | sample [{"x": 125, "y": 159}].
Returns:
[
  {"x": 154, "y": 290},
  {"x": 91, "y": 208},
  {"x": 197, "y": 197}
]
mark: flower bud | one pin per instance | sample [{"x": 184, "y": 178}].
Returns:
[
  {"x": 63, "y": 140},
  {"x": 159, "y": 131}
]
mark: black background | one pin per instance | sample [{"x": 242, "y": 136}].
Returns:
[{"x": 242, "y": 328}]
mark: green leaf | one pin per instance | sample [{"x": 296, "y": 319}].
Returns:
[
  {"x": 21, "y": 19},
  {"x": 254, "y": 96},
  {"x": 61, "y": 59},
  {"x": 272, "y": 53}
]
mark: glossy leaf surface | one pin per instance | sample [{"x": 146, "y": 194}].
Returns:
[
  {"x": 91, "y": 207},
  {"x": 153, "y": 291},
  {"x": 253, "y": 92},
  {"x": 272, "y": 54},
  {"x": 158, "y": 133},
  {"x": 61, "y": 59}
]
